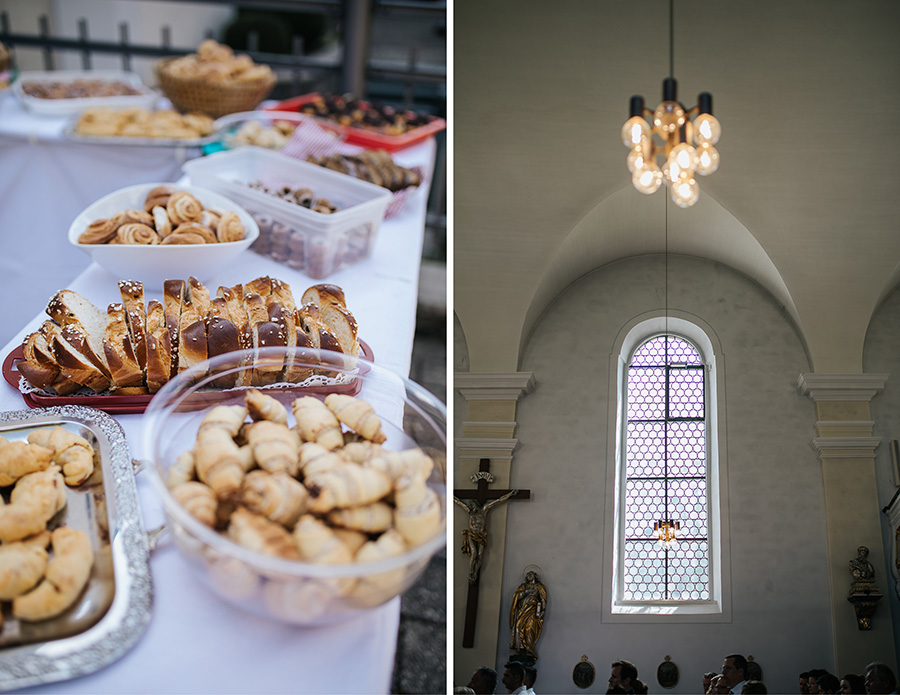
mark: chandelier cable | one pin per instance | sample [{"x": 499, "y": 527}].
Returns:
[{"x": 672, "y": 38}]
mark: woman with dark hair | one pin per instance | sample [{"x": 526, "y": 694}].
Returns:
[{"x": 853, "y": 683}]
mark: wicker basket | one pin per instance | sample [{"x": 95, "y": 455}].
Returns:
[{"x": 214, "y": 99}]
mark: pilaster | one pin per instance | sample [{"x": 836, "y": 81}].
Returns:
[
  {"x": 489, "y": 430},
  {"x": 846, "y": 451}
]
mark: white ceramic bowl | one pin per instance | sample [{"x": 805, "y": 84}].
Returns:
[
  {"x": 153, "y": 265},
  {"x": 295, "y": 592}
]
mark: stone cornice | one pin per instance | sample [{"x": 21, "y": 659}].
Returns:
[
  {"x": 846, "y": 447},
  {"x": 493, "y": 386},
  {"x": 470, "y": 446},
  {"x": 841, "y": 387}
]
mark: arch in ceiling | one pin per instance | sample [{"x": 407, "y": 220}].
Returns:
[{"x": 628, "y": 223}]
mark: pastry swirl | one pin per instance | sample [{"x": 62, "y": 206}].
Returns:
[
  {"x": 158, "y": 196},
  {"x": 230, "y": 227},
  {"x": 183, "y": 238},
  {"x": 136, "y": 233},
  {"x": 183, "y": 207},
  {"x": 99, "y": 231},
  {"x": 196, "y": 228},
  {"x": 161, "y": 221}
]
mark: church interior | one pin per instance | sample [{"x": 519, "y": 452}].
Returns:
[{"x": 783, "y": 276}]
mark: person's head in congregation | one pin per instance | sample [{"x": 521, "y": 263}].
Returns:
[
  {"x": 804, "y": 683},
  {"x": 707, "y": 680},
  {"x": 828, "y": 684},
  {"x": 719, "y": 686},
  {"x": 734, "y": 671},
  {"x": 514, "y": 677},
  {"x": 623, "y": 673},
  {"x": 879, "y": 679},
  {"x": 484, "y": 681},
  {"x": 812, "y": 681},
  {"x": 754, "y": 688},
  {"x": 853, "y": 684},
  {"x": 530, "y": 678}
]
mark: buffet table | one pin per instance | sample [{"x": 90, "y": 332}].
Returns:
[{"x": 195, "y": 643}]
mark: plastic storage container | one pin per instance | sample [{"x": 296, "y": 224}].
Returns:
[{"x": 316, "y": 243}]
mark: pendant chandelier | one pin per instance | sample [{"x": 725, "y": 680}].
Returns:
[
  {"x": 666, "y": 531},
  {"x": 671, "y": 144}
]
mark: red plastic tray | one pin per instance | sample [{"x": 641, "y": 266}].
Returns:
[
  {"x": 122, "y": 405},
  {"x": 361, "y": 136}
]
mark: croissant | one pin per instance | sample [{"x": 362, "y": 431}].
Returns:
[
  {"x": 72, "y": 452},
  {"x": 22, "y": 566},
  {"x": 359, "y": 451},
  {"x": 275, "y": 447},
  {"x": 318, "y": 543},
  {"x": 316, "y": 423},
  {"x": 374, "y": 589},
  {"x": 371, "y": 518},
  {"x": 199, "y": 501},
  {"x": 229, "y": 417},
  {"x": 357, "y": 414},
  {"x": 233, "y": 578},
  {"x": 256, "y": 532},
  {"x": 354, "y": 540},
  {"x": 218, "y": 462},
  {"x": 67, "y": 573},
  {"x": 315, "y": 458},
  {"x": 348, "y": 486},
  {"x": 18, "y": 458},
  {"x": 33, "y": 502},
  {"x": 264, "y": 407},
  {"x": 417, "y": 512},
  {"x": 277, "y": 496},
  {"x": 182, "y": 470},
  {"x": 401, "y": 464}
]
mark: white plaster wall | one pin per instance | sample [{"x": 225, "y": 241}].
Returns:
[
  {"x": 882, "y": 355},
  {"x": 779, "y": 572}
]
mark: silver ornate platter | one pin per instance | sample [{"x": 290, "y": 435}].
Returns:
[{"x": 114, "y": 609}]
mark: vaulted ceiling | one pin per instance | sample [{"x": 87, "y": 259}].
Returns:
[{"x": 806, "y": 199}]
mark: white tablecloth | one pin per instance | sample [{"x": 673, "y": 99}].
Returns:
[{"x": 195, "y": 643}]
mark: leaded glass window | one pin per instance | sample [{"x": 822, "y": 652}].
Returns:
[{"x": 665, "y": 473}]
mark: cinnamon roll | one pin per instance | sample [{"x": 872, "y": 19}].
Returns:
[
  {"x": 183, "y": 238},
  {"x": 135, "y": 233},
  {"x": 99, "y": 231},
  {"x": 158, "y": 196},
  {"x": 137, "y": 216},
  {"x": 196, "y": 228},
  {"x": 230, "y": 228},
  {"x": 183, "y": 207}
]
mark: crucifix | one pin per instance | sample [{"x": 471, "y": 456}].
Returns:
[{"x": 477, "y": 503}]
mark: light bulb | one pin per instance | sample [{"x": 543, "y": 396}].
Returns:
[
  {"x": 708, "y": 159},
  {"x": 686, "y": 157},
  {"x": 634, "y": 130},
  {"x": 707, "y": 129},
  {"x": 685, "y": 192},
  {"x": 648, "y": 178},
  {"x": 639, "y": 154},
  {"x": 669, "y": 116}
]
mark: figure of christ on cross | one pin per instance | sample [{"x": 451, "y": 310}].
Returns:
[{"x": 477, "y": 503}]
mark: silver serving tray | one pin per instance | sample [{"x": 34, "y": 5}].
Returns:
[
  {"x": 69, "y": 132},
  {"x": 114, "y": 609}
]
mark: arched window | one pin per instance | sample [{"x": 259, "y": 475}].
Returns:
[
  {"x": 665, "y": 473},
  {"x": 667, "y": 468}
]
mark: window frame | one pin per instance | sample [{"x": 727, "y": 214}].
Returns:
[{"x": 718, "y": 607}]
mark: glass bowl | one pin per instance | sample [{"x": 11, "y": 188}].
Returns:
[{"x": 288, "y": 590}]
